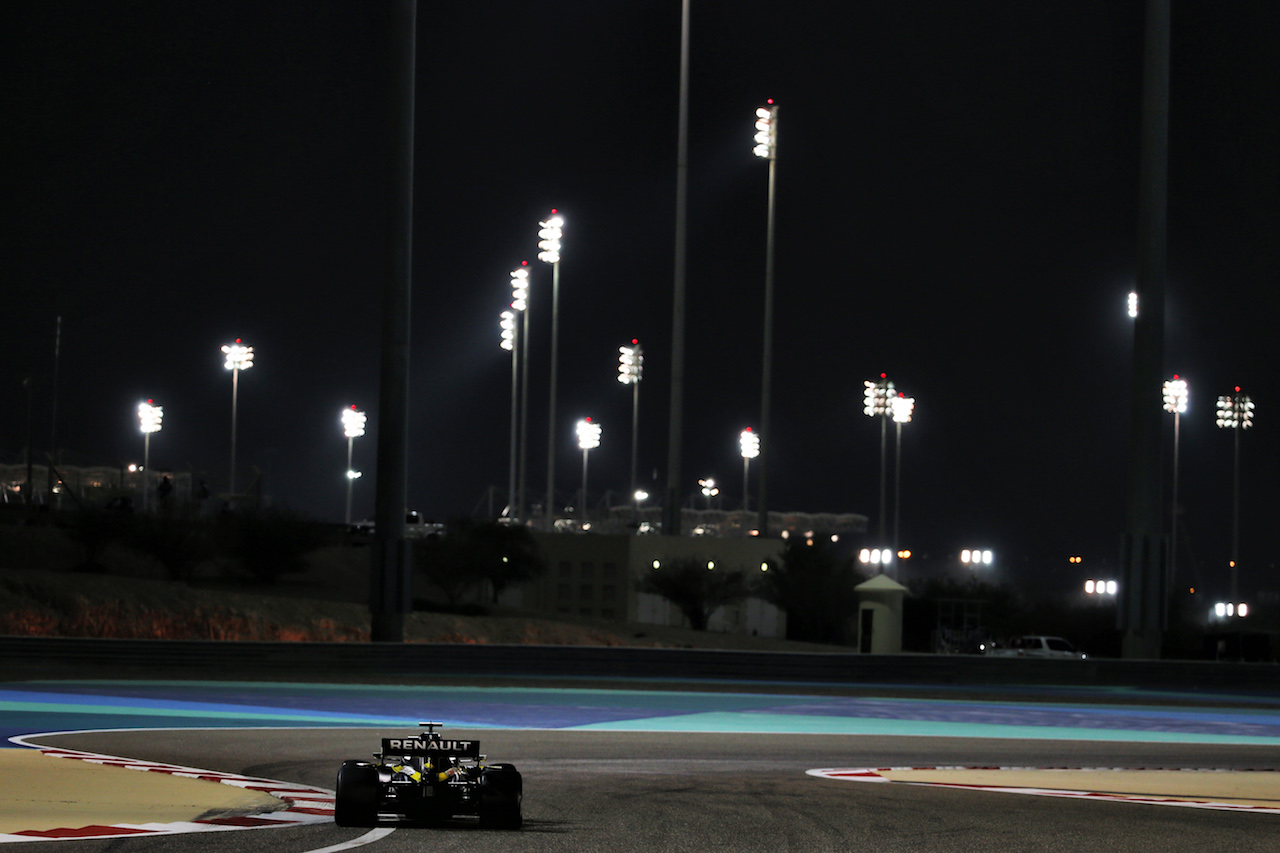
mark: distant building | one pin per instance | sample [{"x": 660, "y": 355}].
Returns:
[
  {"x": 94, "y": 485},
  {"x": 595, "y": 574}
]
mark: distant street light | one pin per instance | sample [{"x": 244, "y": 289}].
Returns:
[
  {"x": 550, "y": 232},
  {"x": 1175, "y": 401},
  {"x": 1235, "y": 412},
  {"x": 1225, "y": 610},
  {"x": 1133, "y": 304},
  {"x": 977, "y": 557},
  {"x": 507, "y": 323},
  {"x": 1092, "y": 587},
  {"x": 902, "y": 407},
  {"x": 520, "y": 303},
  {"x": 239, "y": 357},
  {"x": 749, "y": 444},
  {"x": 353, "y": 422},
  {"x": 876, "y": 397},
  {"x": 709, "y": 489},
  {"x": 588, "y": 440},
  {"x": 630, "y": 371},
  {"x": 149, "y": 418},
  {"x": 766, "y": 147},
  {"x": 876, "y": 556}
]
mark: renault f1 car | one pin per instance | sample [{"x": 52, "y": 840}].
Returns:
[{"x": 428, "y": 779}]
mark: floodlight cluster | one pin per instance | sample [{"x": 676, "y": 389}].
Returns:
[
  {"x": 149, "y": 417},
  {"x": 630, "y": 363},
  {"x": 749, "y": 442},
  {"x": 1175, "y": 395},
  {"x": 588, "y": 434},
  {"x": 1092, "y": 587},
  {"x": 875, "y": 556},
  {"x": 902, "y": 407},
  {"x": 507, "y": 322},
  {"x": 1235, "y": 411},
  {"x": 876, "y": 396},
  {"x": 975, "y": 556},
  {"x": 239, "y": 356},
  {"x": 550, "y": 232},
  {"x": 766, "y": 138},
  {"x": 520, "y": 289},
  {"x": 353, "y": 422}
]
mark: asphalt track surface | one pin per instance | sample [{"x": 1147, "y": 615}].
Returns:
[{"x": 689, "y": 771}]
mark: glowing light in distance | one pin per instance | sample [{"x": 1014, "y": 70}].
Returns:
[
  {"x": 550, "y": 233},
  {"x": 975, "y": 556},
  {"x": 630, "y": 363},
  {"x": 239, "y": 356},
  {"x": 1175, "y": 395},
  {"x": 149, "y": 417},
  {"x": 749, "y": 442},
  {"x": 766, "y": 138},
  {"x": 588, "y": 434},
  {"x": 508, "y": 325},
  {"x": 902, "y": 408},
  {"x": 353, "y": 422},
  {"x": 520, "y": 287}
]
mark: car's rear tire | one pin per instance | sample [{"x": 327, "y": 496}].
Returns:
[
  {"x": 356, "y": 803},
  {"x": 501, "y": 794}
]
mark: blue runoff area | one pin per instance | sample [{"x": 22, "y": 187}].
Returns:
[{"x": 33, "y": 707}]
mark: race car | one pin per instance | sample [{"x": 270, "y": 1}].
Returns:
[{"x": 428, "y": 779}]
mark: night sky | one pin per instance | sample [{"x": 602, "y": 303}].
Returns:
[{"x": 956, "y": 207}]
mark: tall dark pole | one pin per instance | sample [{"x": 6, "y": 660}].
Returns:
[
  {"x": 28, "y": 490},
  {"x": 551, "y": 403},
  {"x": 1142, "y": 611},
  {"x": 675, "y": 432},
  {"x": 509, "y": 317},
  {"x": 884, "y": 446},
  {"x": 53, "y": 412},
  {"x": 1235, "y": 521},
  {"x": 389, "y": 599},
  {"x": 524, "y": 408}
]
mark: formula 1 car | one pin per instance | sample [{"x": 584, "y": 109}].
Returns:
[{"x": 428, "y": 779}]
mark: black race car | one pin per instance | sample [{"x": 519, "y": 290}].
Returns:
[{"x": 428, "y": 779}]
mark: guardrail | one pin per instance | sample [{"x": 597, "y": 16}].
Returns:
[{"x": 25, "y": 658}]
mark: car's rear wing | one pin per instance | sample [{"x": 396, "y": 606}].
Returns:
[{"x": 429, "y": 746}]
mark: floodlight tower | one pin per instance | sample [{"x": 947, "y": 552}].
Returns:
[
  {"x": 1175, "y": 402},
  {"x": 353, "y": 422},
  {"x": 749, "y": 445},
  {"x": 149, "y": 418},
  {"x": 238, "y": 357},
  {"x": 766, "y": 147},
  {"x": 550, "y": 232},
  {"x": 520, "y": 303},
  {"x": 1235, "y": 412},
  {"x": 630, "y": 371},
  {"x": 875, "y": 397},
  {"x": 902, "y": 407},
  {"x": 588, "y": 440}
]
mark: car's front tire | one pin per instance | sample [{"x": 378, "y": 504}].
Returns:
[{"x": 356, "y": 803}]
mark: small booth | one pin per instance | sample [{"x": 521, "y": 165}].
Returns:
[{"x": 880, "y": 615}]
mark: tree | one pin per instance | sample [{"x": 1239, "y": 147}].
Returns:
[
  {"x": 269, "y": 542},
  {"x": 503, "y": 554},
  {"x": 816, "y": 590},
  {"x": 471, "y": 553},
  {"x": 696, "y": 588}
]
